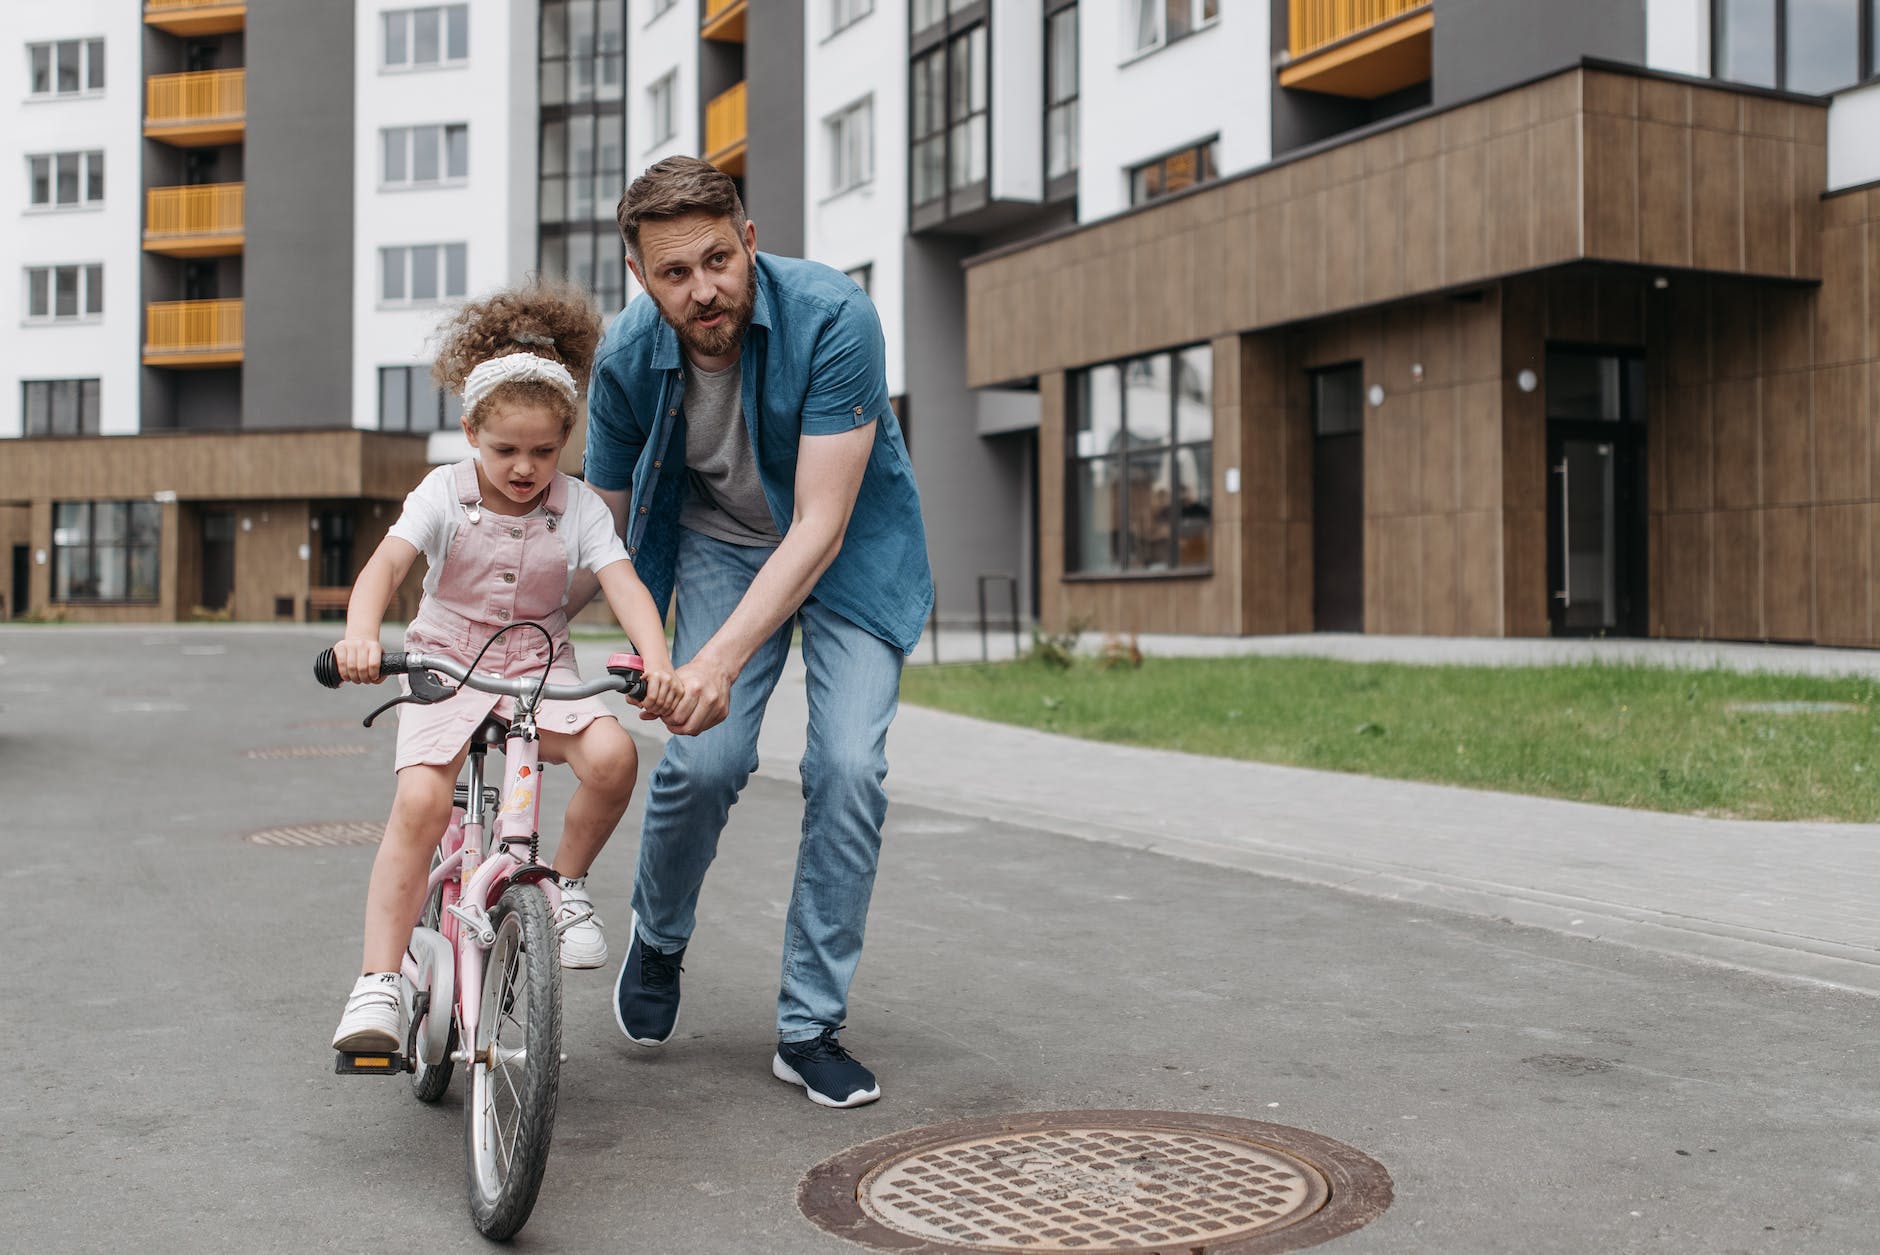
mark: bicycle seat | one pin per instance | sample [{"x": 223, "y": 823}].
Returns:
[{"x": 492, "y": 731}]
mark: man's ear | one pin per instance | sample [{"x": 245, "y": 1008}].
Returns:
[
  {"x": 634, "y": 268},
  {"x": 750, "y": 236}
]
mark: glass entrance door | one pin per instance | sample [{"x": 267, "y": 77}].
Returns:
[{"x": 1596, "y": 494}]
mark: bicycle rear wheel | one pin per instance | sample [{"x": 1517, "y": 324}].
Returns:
[
  {"x": 429, "y": 1081},
  {"x": 515, "y": 1067}
]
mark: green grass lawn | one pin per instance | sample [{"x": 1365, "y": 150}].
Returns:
[{"x": 1622, "y": 735}]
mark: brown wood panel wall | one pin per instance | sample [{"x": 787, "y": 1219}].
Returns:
[
  {"x": 222, "y": 466},
  {"x": 1588, "y": 164}
]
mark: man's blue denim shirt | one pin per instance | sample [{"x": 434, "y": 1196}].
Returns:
[{"x": 814, "y": 363}]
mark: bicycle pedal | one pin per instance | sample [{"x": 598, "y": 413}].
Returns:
[{"x": 364, "y": 1063}]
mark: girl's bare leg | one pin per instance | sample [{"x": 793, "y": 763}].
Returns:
[
  {"x": 420, "y": 813},
  {"x": 603, "y": 759}
]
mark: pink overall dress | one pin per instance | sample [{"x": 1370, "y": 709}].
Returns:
[{"x": 499, "y": 570}]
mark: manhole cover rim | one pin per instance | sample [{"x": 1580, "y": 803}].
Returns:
[
  {"x": 318, "y": 834},
  {"x": 1358, "y": 1187}
]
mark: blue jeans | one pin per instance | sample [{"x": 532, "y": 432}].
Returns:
[{"x": 854, "y": 681}]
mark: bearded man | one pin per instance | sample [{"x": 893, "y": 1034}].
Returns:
[{"x": 738, "y": 425}]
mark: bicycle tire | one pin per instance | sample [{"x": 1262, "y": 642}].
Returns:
[
  {"x": 429, "y": 1081},
  {"x": 509, "y": 1110}
]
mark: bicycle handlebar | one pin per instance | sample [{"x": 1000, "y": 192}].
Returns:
[{"x": 623, "y": 676}]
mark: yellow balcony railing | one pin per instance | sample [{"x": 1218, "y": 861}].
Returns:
[
  {"x": 724, "y": 20},
  {"x": 204, "y": 221},
  {"x": 193, "y": 333},
  {"x": 1357, "y": 48},
  {"x": 201, "y": 108},
  {"x": 726, "y": 130},
  {"x": 190, "y": 18}
]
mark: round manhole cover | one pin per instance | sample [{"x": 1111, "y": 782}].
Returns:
[
  {"x": 1097, "y": 1181},
  {"x": 344, "y": 832}
]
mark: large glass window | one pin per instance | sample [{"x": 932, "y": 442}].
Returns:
[
  {"x": 1175, "y": 172},
  {"x": 1813, "y": 46},
  {"x": 850, "y": 135},
  {"x": 65, "y": 180},
  {"x": 436, "y": 35},
  {"x": 661, "y": 115},
  {"x": 1060, "y": 92},
  {"x": 105, "y": 550},
  {"x": 951, "y": 98},
  {"x": 929, "y": 163},
  {"x": 419, "y": 156},
  {"x": 410, "y": 400},
  {"x": 423, "y": 274},
  {"x": 1141, "y": 465},
  {"x": 583, "y": 143},
  {"x": 61, "y": 293},
  {"x": 70, "y": 67},
  {"x": 60, "y": 407}
]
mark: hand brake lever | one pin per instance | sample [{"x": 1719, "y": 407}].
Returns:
[{"x": 426, "y": 690}]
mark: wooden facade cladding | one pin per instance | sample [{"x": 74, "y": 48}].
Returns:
[
  {"x": 1592, "y": 164},
  {"x": 216, "y": 466}
]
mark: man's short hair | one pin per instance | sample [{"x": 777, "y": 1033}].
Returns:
[{"x": 673, "y": 188}]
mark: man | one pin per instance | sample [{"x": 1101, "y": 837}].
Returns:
[{"x": 738, "y": 425}]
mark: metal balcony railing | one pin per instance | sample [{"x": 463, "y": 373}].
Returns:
[
  {"x": 194, "y": 99},
  {"x": 727, "y": 128},
  {"x": 186, "y": 330},
  {"x": 1312, "y": 24},
  {"x": 181, "y": 212}
]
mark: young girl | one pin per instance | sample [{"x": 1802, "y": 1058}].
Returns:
[{"x": 501, "y": 533}]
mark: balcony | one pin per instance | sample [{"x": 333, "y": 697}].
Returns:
[
  {"x": 1363, "y": 49},
  {"x": 194, "y": 18},
  {"x": 726, "y": 131},
  {"x": 203, "y": 221},
  {"x": 193, "y": 334},
  {"x": 196, "y": 110},
  {"x": 724, "y": 21}
]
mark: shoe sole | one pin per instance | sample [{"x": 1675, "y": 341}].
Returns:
[
  {"x": 584, "y": 958},
  {"x": 784, "y": 1072},
  {"x": 368, "y": 1041},
  {"x": 618, "y": 1018}
]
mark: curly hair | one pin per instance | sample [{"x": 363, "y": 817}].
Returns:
[{"x": 549, "y": 318}]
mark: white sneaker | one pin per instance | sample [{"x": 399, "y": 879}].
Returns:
[
  {"x": 375, "y": 1015},
  {"x": 582, "y": 942}
]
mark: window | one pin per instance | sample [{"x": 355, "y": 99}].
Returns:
[
  {"x": 864, "y": 277},
  {"x": 433, "y": 36},
  {"x": 1174, "y": 173},
  {"x": 105, "y": 550},
  {"x": 423, "y": 274},
  {"x": 851, "y": 136},
  {"x": 65, "y": 180},
  {"x": 1154, "y": 23},
  {"x": 417, "y": 156},
  {"x": 583, "y": 50},
  {"x": 659, "y": 109},
  {"x": 410, "y": 400},
  {"x": 70, "y": 67},
  {"x": 845, "y": 13},
  {"x": 660, "y": 9},
  {"x": 64, "y": 293},
  {"x": 1060, "y": 92},
  {"x": 950, "y": 104},
  {"x": 583, "y": 145},
  {"x": 1814, "y": 46},
  {"x": 60, "y": 407},
  {"x": 1141, "y": 465}
]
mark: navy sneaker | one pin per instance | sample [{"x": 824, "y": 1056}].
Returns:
[
  {"x": 826, "y": 1071},
  {"x": 646, "y": 996}
]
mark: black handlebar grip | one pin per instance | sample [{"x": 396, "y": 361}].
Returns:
[
  {"x": 393, "y": 663},
  {"x": 637, "y": 689},
  {"x": 326, "y": 669}
]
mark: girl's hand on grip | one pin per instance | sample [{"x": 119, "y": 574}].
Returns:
[
  {"x": 358, "y": 661},
  {"x": 662, "y": 693}
]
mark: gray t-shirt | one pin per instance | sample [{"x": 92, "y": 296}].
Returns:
[{"x": 726, "y": 499}]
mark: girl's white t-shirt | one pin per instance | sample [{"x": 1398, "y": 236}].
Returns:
[{"x": 433, "y": 514}]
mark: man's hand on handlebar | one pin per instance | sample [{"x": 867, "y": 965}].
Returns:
[{"x": 358, "y": 661}]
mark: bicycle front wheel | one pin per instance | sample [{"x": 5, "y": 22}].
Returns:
[{"x": 516, "y": 1065}]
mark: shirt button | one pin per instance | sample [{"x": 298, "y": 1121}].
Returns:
[
  {"x": 515, "y": 533},
  {"x": 509, "y": 577},
  {"x": 672, "y": 413},
  {"x": 503, "y": 615},
  {"x": 657, "y": 463},
  {"x": 858, "y": 411},
  {"x": 642, "y": 509},
  {"x": 632, "y": 552}
]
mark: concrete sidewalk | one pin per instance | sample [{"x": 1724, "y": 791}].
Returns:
[{"x": 1788, "y": 899}]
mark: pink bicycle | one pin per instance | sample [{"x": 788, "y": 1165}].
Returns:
[{"x": 484, "y": 964}]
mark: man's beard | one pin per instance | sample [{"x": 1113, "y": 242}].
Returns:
[{"x": 729, "y": 333}]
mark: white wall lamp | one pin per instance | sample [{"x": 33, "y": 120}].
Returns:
[
  {"x": 1527, "y": 381},
  {"x": 1376, "y": 396}
]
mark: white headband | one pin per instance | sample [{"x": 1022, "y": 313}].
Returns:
[{"x": 510, "y": 368}]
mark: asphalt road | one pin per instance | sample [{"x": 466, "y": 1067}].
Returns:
[{"x": 173, "y": 989}]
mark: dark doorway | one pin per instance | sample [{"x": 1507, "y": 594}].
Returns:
[
  {"x": 22, "y": 581},
  {"x": 1338, "y": 499},
  {"x": 1596, "y": 525},
  {"x": 218, "y": 559},
  {"x": 336, "y": 548}
]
